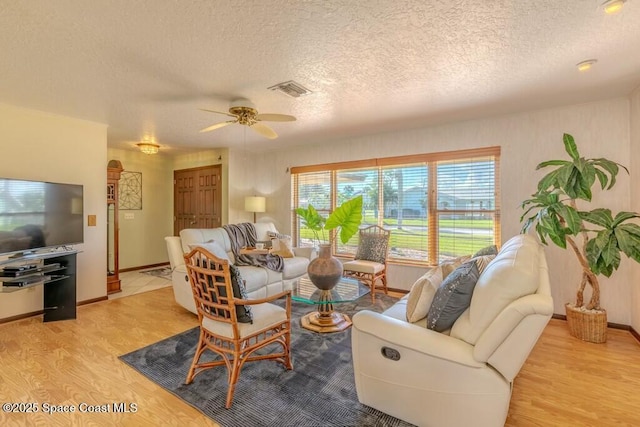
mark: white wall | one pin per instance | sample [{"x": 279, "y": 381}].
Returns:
[
  {"x": 635, "y": 200},
  {"x": 42, "y": 146},
  {"x": 601, "y": 129},
  {"x": 141, "y": 238}
]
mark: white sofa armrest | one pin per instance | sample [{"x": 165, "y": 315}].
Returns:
[
  {"x": 417, "y": 338},
  {"x": 174, "y": 250},
  {"x": 306, "y": 252}
]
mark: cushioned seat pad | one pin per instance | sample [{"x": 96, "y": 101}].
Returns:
[
  {"x": 264, "y": 315},
  {"x": 363, "y": 266}
]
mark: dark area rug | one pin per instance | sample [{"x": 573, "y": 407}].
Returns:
[{"x": 320, "y": 391}]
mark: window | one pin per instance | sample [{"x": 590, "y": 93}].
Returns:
[{"x": 437, "y": 206}]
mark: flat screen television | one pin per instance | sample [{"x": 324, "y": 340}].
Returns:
[{"x": 37, "y": 215}]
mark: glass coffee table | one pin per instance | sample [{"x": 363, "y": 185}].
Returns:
[{"x": 325, "y": 319}]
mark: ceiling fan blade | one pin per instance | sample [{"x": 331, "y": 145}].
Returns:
[
  {"x": 264, "y": 130},
  {"x": 275, "y": 118},
  {"x": 218, "y": 112},
  {"x": 218, "y": 126}
]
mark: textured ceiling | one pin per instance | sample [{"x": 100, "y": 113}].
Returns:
[{"x": 145, "y": 67}]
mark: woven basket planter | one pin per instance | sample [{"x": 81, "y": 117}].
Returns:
[{"x": 590, "y": 326}]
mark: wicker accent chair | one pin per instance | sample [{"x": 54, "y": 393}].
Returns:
[
  {"x": 220, "y": 330},
  {"x": 370, "y": 262}
]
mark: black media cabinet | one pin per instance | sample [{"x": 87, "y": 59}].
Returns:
[{"x": 56, "y": 271}]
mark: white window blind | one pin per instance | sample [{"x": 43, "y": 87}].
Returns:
[{"x": 436, "y": 206}]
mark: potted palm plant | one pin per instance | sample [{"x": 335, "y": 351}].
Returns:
[
  {"x": 597, "y": 237},
  {"x": 325, "y": 271}
]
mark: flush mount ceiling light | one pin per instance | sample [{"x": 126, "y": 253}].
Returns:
[
  {"x": 586, "y": 65},
  {"x": 148, "y": 147},
  {"x": 613, "y": 6}
]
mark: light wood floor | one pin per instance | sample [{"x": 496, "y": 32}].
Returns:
[{"x": 565, "y": 382}]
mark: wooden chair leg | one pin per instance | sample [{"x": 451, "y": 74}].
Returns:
[
  {"x": 235, "y": 373},
  {"x": 196, "y": 357},
  {"x": 287, "y": 358},
  {"x": 372, "y": 285}
]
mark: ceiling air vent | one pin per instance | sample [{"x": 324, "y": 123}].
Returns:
[{"x": 291, "y": 88}]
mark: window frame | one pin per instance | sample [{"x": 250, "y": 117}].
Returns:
[{"x": 431, "y": 161}]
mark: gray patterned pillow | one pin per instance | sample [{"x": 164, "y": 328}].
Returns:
[
  {"x": 372, "y": 248},
  {"x": 243, "y": 312},
  {"x": 453, "y": 296},
  {"x": 489, "y": 250}
]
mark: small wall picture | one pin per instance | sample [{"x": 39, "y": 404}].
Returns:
[{"x": 130, "y": 191}]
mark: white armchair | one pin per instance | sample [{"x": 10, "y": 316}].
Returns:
[{"x": 463, "y": 378}]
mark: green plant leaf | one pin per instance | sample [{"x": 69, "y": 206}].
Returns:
[
  {"x": 623, "y": 216},
  {"x": 311, "y": 218},
  {"x": 348, "y": 217},
  {"x": 566, "y": 180},
  {"x": 550, "y": 180},
  {"x": 600, "y": 216},
  {"x": 602, "y": 177},
  {"x": 628, "y": 236},
  {"x": 552, "y": 163},
  {"x": 611, "y": 167},
  {"x": 571, "y": 218},
  {"x": 570, "y": 146},
  {"x": 592, "y": 251},
  {"x": 610, "y": 251}
]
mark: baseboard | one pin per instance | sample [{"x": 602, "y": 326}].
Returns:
[
  {"x": 611, "y": 325},
  {"x": 41, "y": 312},
  {"x": 143, "y": 267},
  {"x": 21, "y": 316},
  {"x": 92, "y": 300},
  {"x": 400, "y": 291}
]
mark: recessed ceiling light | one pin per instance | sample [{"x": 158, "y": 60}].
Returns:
[
  {"x": 586, "y": 65},
  {"x": 613, "y": 6}
]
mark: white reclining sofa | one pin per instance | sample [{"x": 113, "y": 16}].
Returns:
[
  {"x": 260, "y": 282},
  {"x": 462, "y": 377}
]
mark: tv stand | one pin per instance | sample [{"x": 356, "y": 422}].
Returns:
[
  {"x": 56, "y": 271},
  {"x": 21, "y": 255}
]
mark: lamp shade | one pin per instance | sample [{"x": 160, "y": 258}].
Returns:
[{"x": 254, "y": 204}]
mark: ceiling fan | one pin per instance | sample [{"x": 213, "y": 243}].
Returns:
[{"x": 245, "y": 113}]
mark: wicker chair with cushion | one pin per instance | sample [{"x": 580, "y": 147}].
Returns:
[
  {"x": 231, "y": 325},
  {"x": 370, "y": 262}
]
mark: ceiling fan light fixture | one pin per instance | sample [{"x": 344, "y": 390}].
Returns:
[
  {"x": 148, "y": 147},
  {"x": 613, "y": 6},
  {"x": 586, "y": 65}
]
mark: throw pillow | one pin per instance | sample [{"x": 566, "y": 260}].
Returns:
[
  {"x": 451, "y": 264},
  {"x": 489, "y": 250},
  {"x": 422, "y": 293},
  {"x": 212, "y": 246},
  {"x": 372, "y": 248},
  {"x": 275, "y": 235},
  {"x": 282, "y": 247},
  {"x": 243, "y": 312},
  {"x": 453, "y": 296}
]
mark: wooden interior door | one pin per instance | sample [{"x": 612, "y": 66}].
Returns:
[{"x": 197, "y": 195}]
